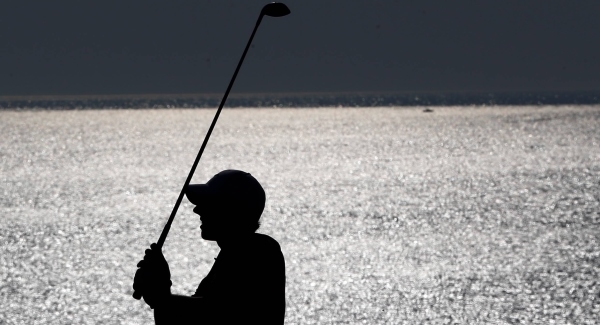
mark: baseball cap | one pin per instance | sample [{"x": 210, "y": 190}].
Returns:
[{"x": 234, "y": 189}]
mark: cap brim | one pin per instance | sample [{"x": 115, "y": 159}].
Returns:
[{"x": 197, "y": 193}]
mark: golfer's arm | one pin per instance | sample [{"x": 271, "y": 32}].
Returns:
[{"x": 179, "y": 310}]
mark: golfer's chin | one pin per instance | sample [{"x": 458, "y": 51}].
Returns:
[{"x": 207, "y": 235}]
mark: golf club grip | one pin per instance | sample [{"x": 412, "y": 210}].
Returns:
[{"x": 167, "y": 227}]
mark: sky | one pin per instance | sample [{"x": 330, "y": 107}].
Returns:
[{"x": 182, "y": 47}]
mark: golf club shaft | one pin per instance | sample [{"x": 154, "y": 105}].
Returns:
[{"x": 165, "y": 231}]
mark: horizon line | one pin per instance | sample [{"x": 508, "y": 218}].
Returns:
[{"x": 37, "y": 97}]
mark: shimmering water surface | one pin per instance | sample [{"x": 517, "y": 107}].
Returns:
[{"x": 385, "y": 215}]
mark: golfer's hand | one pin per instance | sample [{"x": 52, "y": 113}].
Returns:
[
  {"x": 153, "y": 278},
  {"x": 154, "y": 261}
]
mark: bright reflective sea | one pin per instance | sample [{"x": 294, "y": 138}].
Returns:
[{"x": 385, "y": 215}]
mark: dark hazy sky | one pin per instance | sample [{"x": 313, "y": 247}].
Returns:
[{"x": 126, "y": 47}]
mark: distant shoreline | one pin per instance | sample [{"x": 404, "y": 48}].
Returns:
[{"x": 297, "y": 100}]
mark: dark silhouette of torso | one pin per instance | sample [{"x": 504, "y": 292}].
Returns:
[{"x": 246, "y": 284}]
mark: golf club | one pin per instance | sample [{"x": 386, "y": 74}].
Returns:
[{"x": 273, "y": 9}]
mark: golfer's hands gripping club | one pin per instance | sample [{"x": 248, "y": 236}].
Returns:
[{"x": 152, "y": 280}]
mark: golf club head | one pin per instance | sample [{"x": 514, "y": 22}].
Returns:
[{"x": 275, "y": 9}]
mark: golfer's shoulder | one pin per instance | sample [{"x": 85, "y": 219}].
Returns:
[
  {"x": 266, "y": 245},
  {"x": 265, "y": 242}
]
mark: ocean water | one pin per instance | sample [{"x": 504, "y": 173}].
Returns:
[
  {"x": 296, "y": 100},
  {"x": 468, "y": 215}
]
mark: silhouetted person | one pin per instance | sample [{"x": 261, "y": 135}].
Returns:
[{"x": 246, "y": 284}]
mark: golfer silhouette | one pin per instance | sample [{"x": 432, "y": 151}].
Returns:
[{"x": 246, "y": 284}]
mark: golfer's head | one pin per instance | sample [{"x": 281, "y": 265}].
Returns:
[{"x": 229, "y": 203}]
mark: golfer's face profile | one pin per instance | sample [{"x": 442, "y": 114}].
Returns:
[{"x": 211, "y": 223}]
